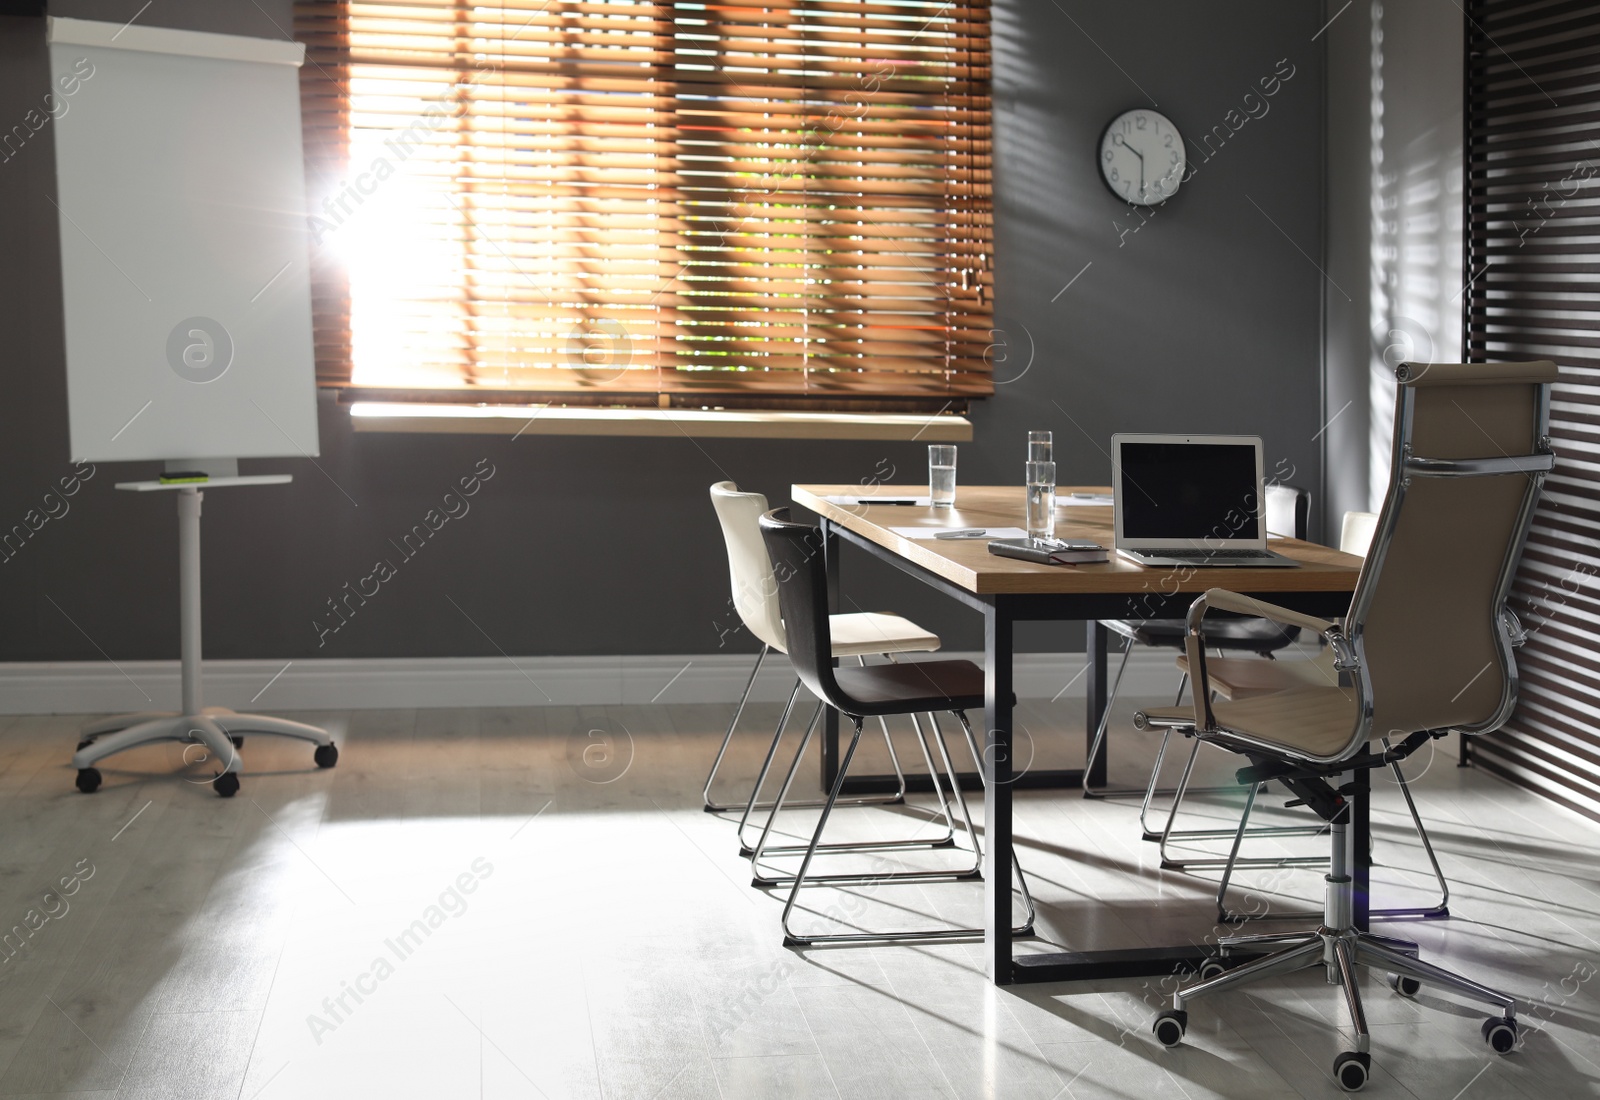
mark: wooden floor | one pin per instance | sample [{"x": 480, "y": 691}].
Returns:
[{"x": 526, "y": 903}]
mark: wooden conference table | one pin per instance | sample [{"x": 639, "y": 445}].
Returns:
[{"x": 1006, "y": 591}]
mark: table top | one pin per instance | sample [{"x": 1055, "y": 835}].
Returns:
[
  {"x": 968, "y": 564},
  {"x": 209, "y": 483}
]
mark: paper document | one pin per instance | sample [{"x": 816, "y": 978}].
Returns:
[
  {"x": 976, "y": 534},
  {"x": 888, "y": 498}
]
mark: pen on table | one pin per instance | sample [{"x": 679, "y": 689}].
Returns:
[{"x": 965, "y": 533}]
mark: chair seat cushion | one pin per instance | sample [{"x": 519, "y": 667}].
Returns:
[
  {"x": 1249, "y": 633},
  {"x": 861, "y": 633},
  {"x": 1318, "y": 721},
  {"x": 912, "y": 686},
  {"x": 1236, "y": 678},
  {"x": 1305, "y": 721}
]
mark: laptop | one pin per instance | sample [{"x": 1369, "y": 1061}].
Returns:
[{"x": 1193, "y": 500}]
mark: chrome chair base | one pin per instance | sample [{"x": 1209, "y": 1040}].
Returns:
[
  {"x": 803, "y": 878},
  {"x": 1340, "y": 947},
  {"x": 713, "y": 807},
  {"x": 761, "y": 850},
  {"x": 747, "y": 850}
]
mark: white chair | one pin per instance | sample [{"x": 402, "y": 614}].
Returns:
[
  {"x": 1355, "y": 536},
  {"x": 858, "y": 634}
]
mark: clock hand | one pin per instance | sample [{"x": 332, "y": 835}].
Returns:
[{"x": 1118, "y": 137}]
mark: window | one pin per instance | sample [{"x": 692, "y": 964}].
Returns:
[
  {"x": 619, "y": 201},
  {"x": 1532, "y": 252}
]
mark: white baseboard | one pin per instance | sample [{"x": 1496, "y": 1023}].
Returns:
[{"x": 94, "y": 687}]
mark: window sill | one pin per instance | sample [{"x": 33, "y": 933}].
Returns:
[{"x": 373, "y": 416}]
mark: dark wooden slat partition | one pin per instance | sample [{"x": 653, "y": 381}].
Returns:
[{"x": 1532, "y": 256}]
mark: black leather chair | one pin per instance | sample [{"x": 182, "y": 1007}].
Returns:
[
  {"x": 1288, "y": 515},
  {"x": 858, "y": 693}
]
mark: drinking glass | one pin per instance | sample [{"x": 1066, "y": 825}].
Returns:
[
  {"x": 1041, "y": 500},
  {"x": 1041, "y": 447},
  {"x": 942, "y": 474}
]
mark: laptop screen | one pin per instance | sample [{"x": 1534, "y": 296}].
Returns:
[{"x": 1188, "y": 490}]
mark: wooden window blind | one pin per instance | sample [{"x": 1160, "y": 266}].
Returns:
[
  {"x": 1532, "y": 259},
  {"x": 652, "y": 201}
]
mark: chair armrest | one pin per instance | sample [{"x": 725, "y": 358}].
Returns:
[
  {"x": 1221, "y": 598},
  {"x": 1248, "y": 605}
]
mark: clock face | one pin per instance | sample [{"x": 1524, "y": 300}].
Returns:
[{"x": 1141, "y": 157}]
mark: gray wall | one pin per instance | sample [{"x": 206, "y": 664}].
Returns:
[
  {"x": 1394, "y": 224},
  {"x": 1206, "y": 318}
]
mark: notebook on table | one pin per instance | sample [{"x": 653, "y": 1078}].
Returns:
[
  {"x": 1192, "y": 500},
  {"x": 1050, "y": 551}
]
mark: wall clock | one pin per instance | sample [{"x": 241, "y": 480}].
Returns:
[{"x": 1142, "y": 157}]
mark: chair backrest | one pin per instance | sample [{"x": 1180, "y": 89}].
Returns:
[
  {"x": 1428, "y": 621},
  {"x": 1355, "y": 534},
  {"x": 796, "y": 550},
  {"x": 755, "y": 590},
  {"x": 1288, "y": 511}
]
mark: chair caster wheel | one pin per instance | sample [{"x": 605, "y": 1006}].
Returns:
[
  {"x": 226, "y": 784},
  {"x": 237, "y": 739},
  {"x": 1213, "y": 968},
  {"x": 1170, "y": 1026},
  {"x": 1405, "y": 986},
  {"x": 326, "y": 756},
  {"x": 1500, "y": 1032},
  {"x": 88, "y": 780},
  {"x": 1351, "y": 1069},
  {"x": 85, "y": 743}
]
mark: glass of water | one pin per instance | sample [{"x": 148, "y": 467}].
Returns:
[
  {"x": 1041, "y": 447},
  {"x": 942, "y": 474},
  {"x": 1041, "y": 500}
]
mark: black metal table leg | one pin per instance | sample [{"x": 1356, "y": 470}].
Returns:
[
  {"x": 997, "y": 742},
  {"x": 1094, "y": 649},
  {"x": 830, "y": 717}
]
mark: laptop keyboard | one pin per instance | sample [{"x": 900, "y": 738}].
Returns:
[{"x": 1211, "y": 554}]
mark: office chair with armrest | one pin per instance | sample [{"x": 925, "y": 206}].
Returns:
[
  {"x": 860, "y": 693},
  {"x": 1236, "y": 678},
  {"x": 1427, "y": 644}
]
